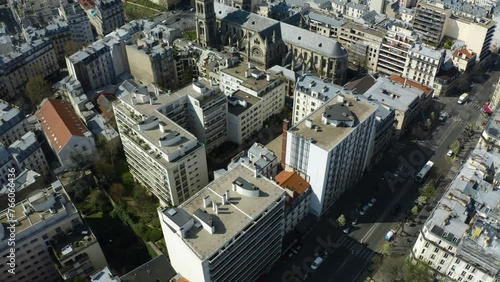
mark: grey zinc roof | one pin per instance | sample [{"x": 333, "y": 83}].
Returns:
[
  {"x": 312, "y": 41},
  {"x": 339, "y": 112},
  {"x": 356, "y": 6},
  {"x": 327, "y": 20},
  {"x": 242, "y": 18}
]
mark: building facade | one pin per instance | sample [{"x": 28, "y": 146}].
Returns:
[
  {"x": 28, "y": 154},
  {"x": 163, "y": 156},
  {"x": 214, "y": 237},
  {"x": 79, "y": 24},
  {"x": 430, "y": 21},
  {"x": 106, "y": 16},
  {"x": 423, "y": 64},
  {"x": 315, "y": 148},
  {"x": 12, "y": 123}
]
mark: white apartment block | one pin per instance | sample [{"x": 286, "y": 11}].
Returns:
[
  {"x": 423, "y": 63},
  {"x": 269, "y": 87},
  {"x": 28, "y": 154},
  {"x": 48, "y": 223},
  {"x": 12, "y": 123},
  {"x": 258, "y": 158},
  {"x": 394, "y": 51},
  {"x": 79, "y": 24},
  {"x": 355, "y": 10},
  {"x": 406, "y": 14},
  {"x": 163, "y": 156},
  {"x": 244, "y": 117},
  {"x": 27, "y": 61},
  {"x": 317, "y": 147},
  {"x": 311, "y": 92},
  {"x": 106, "y": 16},
  {"x": 460, "y": 238},
  {"x": 324, "y": 25},
  {"x": 232, "y": 230}
]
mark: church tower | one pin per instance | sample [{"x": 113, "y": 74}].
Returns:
[{"x": 206, "y": 26}]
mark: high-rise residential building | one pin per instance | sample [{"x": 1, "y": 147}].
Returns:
[
  {"x": 244, "y": 117},
  {"x": 394, "y": 52},
  {"x": 430, "y": 21},
  {"x": 27, "y": 61},
  {"x": 316, "y": 146},
  {"x": 423, "y": 64},
  {"x": 231, "y": 230},
  {"x": 51, "y": 239},
  {"x": 459, "y": 239},
  {"x": 79, "y": 24},
  {"x": 28, "y": 154},
  {"x": 12, "y": 123},
  {"x": 267, "y": 86},
  {"x": 153, "y": 62},
  {"x": 67, "y": 135},
  {"x": 162, "y": 155},
  {"x": 104, "y": 15}
]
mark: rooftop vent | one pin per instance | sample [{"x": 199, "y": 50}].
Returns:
[{"x": 309, "y": 123}]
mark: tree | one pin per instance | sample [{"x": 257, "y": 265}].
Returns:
[
  {"x": 428, "y": 122},
  {"x": 71, "y": 47},
  {"x": 433, "y": 117},
  {"x": 37, "y": 89},
  {"x": 448, "y": 44},
  {"x": 414, "y": 210},
  {"x": 463, "y": 82},
  {"x": 429, "y": 190},
  {"x": 386, "y": 249},
  {"x": 421, "y": 200},
  {"x": 417, "y": 271},
  {"x": 455, "y": 147},
  {"x": 341, "y": 220},
  {"x": 98, "y": 200},
  {"x": 117, "y": 190}
]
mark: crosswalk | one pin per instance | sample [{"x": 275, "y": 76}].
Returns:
[
  {"x": 475, "y": 104},
  {"x": 356, "y": 249}
]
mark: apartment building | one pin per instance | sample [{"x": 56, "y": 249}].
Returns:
[
  {"x": 72, "y": 92},
  {"x": 406, "y": 14},
  {"x": 7, "y": 163},
  {"x": 430, "y": 21},
  {"x": 423, "y": 64},
  {"x": 79, "y": 24},
  {"x": 491, "y": 134},
  {"x": 267, "y": 86},
  {"x": 324, "y": 25},
  {"x": 36, "y": 12},
  {"x": 495, "y": 98},
  {"x": 244, "y": 117},
  {"x": 163, "y": 156},
  {"x": 385, "y": 117},
  {"x": 363, "y": 44},
  {"x": 311, "y": 92},
  {"x": 104, "y": 15},
  {"x": 28, "y": 154},
  {"x": 67, "y": 135},
  {"x": 12, "y": 123},
  {"x": 298, "y": 197},
  {"x": 57, "y": 31},
  {"x": 264, "y": 160},
  {"x": 394, "y": 51},
  {"x": 28, "y": 60},
  {"x": 460, "y": 238},
  {"x": 153, "y": 62},
  {"x": 231, "y": 230},
  {"x": 464, "y": 59},
  {"x": 49, "y": 231},
  {"x": 354, "y": 10},
  {"x": 316, "y": 146}
]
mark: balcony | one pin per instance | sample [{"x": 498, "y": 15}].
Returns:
[{"x": 70, "y": 243}]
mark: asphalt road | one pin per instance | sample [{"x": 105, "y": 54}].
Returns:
[
  {"x": 183, "y": 20},
  {"x": 7, "y": 18}
]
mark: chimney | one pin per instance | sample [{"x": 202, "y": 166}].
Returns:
[
  {"x": 132, "y": 100},
  {"x": 255, "y": 173},
  {"x": 268, "y": 77},
  {"x": 286, "y": 124},
  {"x": 216, "y": 208},
  {"x": 151, "y": 101},
  {"x": 206, "y": 201},
  {"x": 250, "y": 65},
  {"x": 227, "y": 196},
  {"x": 223, "y": 199},
  {"x": 234, "y": 187},
  {"x": 247, "y": 74}
]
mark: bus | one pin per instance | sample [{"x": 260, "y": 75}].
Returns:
[{"x": 423, "y": 172}]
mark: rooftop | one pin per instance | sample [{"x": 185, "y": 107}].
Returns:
[
  {"x": 260, "y": 155},
  {"x": 9, "y": 116},
  {"x": 328, "y": 136},
  {"x": 393, "y": 94},
  {"x": 329, "y": 21},
  {"x": 400, "y": 80},
  {"x": 468, "y": 214},
  {"x": 250, "y": 78},
  {"x": 60, "y": 122},
  {"x": 361, "y": 85},
  {"x": 464, "y": 53},
  {"x": 232, "y": 218},
  {"x": 316, "y": 87},
  {"x": 426, "y": 51},
  {"x": 493, "y": 126},
  {"x": 240, "y": 101},
  {"x": 157, "y": 269},
  {"x": 293, "y": 181},
  {"x": 20, "y": 146}
]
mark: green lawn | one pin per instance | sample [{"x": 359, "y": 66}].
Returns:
[
  {"x": 149, "y": 4},
  {"x": 191, "y": 35},
  {"x": 133, "y": 12}
]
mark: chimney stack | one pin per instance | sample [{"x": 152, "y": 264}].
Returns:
[
  {"x": 206, "y": 201},
  {"x": 216, "y": 208},
  {"x": 268, "y": 77},
  {"x": 223, "y": 199},
  {"x": 227, "y": 196}
]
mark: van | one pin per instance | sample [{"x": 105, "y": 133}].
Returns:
[
  {"x": 463, "y": 98},
  {"x": 316, "y": 263}
]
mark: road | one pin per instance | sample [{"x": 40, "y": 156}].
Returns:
[
  {"x": 183, "y": 20},
  {"x": 7, "y": 18}
]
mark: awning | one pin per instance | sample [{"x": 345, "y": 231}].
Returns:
[{"x": 487, "y": 109}]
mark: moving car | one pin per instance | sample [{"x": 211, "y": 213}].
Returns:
[
  {"x": 463, "y": 98},
  {"x": 316, "y": 263}
]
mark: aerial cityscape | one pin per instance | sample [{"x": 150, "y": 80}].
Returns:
[{"x": 249, "y": 140}]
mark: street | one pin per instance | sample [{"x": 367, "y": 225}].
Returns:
[
  {"x": 181, "y": 19},
  {"x": 346, "y": 256}
]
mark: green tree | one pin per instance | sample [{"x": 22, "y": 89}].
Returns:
[
  {"x": 429, "y": 190},
  {"x": 448, "y": 44},
  {"x": 98, "y": 200},
  {"x": 417, "y": 271},
  {"x": 386, "y": 249},
  {"x": 463, "y": 82},
  {"x": 414, "y": 210},
  {"x": 71, "y": 47},
  {"x": 433, "y": 117},
  {"x": 37, "y": 89},
  {"x": 455, "y": 147},
  {"x": 421, "y": 200},
  {"x": 341, "y": 220},
  {"x": 117, "y": 191},
  {"x": 428, "y": 122}
]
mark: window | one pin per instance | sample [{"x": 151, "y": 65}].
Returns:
[
  {"x": 442, "y": 261},
  {"x": 427, "y": 244},
  {"x": 436, "y": 250},
  {"x": 463, "y": 273},
  {"x": 439, "y": 268},
  {"x": 467, "y": 267},
  {"x": 457, "y": 261},
  {"x": 470, "y": 277},
  {"x": 450, "y": 273},
  {"x": 433, "y": 256},
  {"x": 445, "y": 255}
]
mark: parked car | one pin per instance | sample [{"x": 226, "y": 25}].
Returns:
[
  {"x": 364, "y": 209},
  {"x": 450, "y": 153},
  {"x": 316, "y": 263},
  {"x": 347, "y": 230},
  {"x": 372, "y": 202},
  {"x": 443, "y": 116},
  {"x": 395, "y": 209},
  {"x": 355, "y": 221},
  {"x": 389, "y": 235}
]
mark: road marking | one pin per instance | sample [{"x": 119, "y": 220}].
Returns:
[{"x": 446, "y": 134}]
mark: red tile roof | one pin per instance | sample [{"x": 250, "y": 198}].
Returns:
[
  {"x": 86, "y": 4},
  {"x": 464, "y": 51},
  {"x": 401, "y": 80},
  {"x": 293, "y": 181},
  {"x": 59, "y": 122}
]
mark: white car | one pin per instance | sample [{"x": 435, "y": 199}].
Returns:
[
  {"x": 316, "y": 263},
  {"x": 347, "y": 230},
  {"x": 450, "y": 153},
  {"x": 372, "y": 202}
]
